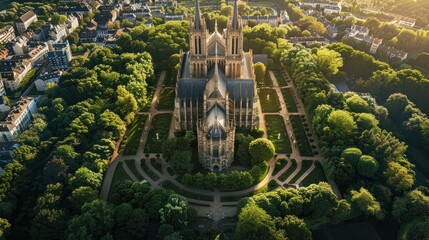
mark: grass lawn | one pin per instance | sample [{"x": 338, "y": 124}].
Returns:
[
  {"x": 160, "y": 125},
  {"x": 170, "y": 171},
  {"x": 275, "y": 125},
  {"x": 149, "y": 172},
  {"x": 131, "y": 140},
  {"x": 280, "y": 164},
  {"x": 301, "y": 136},
  {"x": 166, "y": 99},
  {"x": 266, "y": 82},
  {"x": 157, "y": 165},
  {"x": 290, "y": 101},
  {"x": 288, "y": 172},
  {"x": 306, "y": 164},
  {"x": 170, "y": 78},
  {"x": 269, "y": 105},
  {"x": 178, "y": 190},
  {"x": 132, "y": 166},
  {"x": 118, "y": 176},
  {"x": 316, "y": 176},
  {"x": 280, "y": 79}
]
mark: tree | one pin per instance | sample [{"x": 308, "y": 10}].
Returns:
[
  {"x": 125, "y": 104},
  {"x": 4, "y": 228},
  {"x": 242, "y": 151},
  {"x": 24, "y": 154},
  {"x": 407, "y": 39},
  {"x": 181, "y": 162},
  {"x": 261, "y": 150},
  {"x": 398, "y": 177},
  {"x": 373, "y": 24},
  {"x": 259, "y": 69},
  {"x": 352, "y": 155},
  {"x": 255, "y": 224},
  {"x": 329, "y": 61},
  {"x": 367, "y": 166},
  {"x": 85, "y": 177},
  {"x": 341, "y": 121},
  {"x": 82, "y": 195},
  {"x": 175, "y": 211},
  {"x": 366, "y": 121},
  {"x": 54, "y": 218},
  {"x": 111, "y": 122},
  {"x": 96, "y": 220},
  {"x": 70, "y": 157},
  {"x": 396, "y": 104},
  {"x": 412, "y": 205},
  {"x": 357, "y": 104},
  {"x": 367, "y": 203},
  {"x": 295, "y": 228},
  {"x": 58, "y": 19},
  {"x": 55, "y": 171}
]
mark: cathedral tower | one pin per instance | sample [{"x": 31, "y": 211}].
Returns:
[
  {"x": 234, "y": 44},
  {"x": 197, "y": 44}
]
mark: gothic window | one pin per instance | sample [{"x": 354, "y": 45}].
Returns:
[
  {"x": 232, "y": 45},
  {"x": 195, "y": 46}
]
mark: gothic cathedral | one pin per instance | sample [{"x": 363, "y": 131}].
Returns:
[{"x": 216, "y": 89}]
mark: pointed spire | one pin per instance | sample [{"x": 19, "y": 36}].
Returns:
[
  {"x": 215, "y": 26},
  {"x": 197, "y": 20},
  {"x": 235, "y": 16}
]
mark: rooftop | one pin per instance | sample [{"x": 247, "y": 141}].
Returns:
[{"x": 27, "y": 16}]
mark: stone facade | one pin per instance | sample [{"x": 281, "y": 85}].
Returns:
[{"x": 216, "y": 90}]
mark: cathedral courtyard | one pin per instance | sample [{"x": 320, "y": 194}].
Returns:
[{"x": 294, "y": 165}]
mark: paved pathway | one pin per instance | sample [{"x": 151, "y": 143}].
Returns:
[{"x": 215, "y": 208}]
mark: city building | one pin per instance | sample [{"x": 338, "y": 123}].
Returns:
[
  {"x": 216, "y": 89},
  {"x": 273, "y": 21},
  {"x": 25, "y": 21},
  {"x": 19, "y": 117},
  {"x": 284, "y": 17},
  {"x": 407, "y": 22},
  {"x": 328, "y": 7},
  {"x": 13, "y": 70},
  {"x": 392, "y": 52},
  {"x": 72, "y": 23},
  {"x": 59, "y": 55},
  {"x": 78, "y": 8},
  {"x": 46, "y": 78},
  {"x": 2, "y": 89},
  {"x": 7, "y": 34},
  {"x": 331, "y": 31},
  {"x": 375, "y": 44},
  {"x": 173, "y": 17}
]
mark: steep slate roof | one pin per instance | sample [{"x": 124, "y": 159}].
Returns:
[
  {"x": 235, "y": 16},
  {"x": 197, "y": 15}
]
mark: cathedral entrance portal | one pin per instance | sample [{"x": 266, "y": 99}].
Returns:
[{"x": 216, "y": 168}]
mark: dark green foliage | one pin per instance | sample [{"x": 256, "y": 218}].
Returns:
[
  {"x": 261, "y": 150},
  {"x": 367, "y": 166}
]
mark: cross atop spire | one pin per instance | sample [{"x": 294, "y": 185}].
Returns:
[
  {"x": 197, "y": 19},
  {"x": 235, "y": 16}
]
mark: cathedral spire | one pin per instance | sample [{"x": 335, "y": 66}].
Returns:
[
  {"x": 197, "y": 15},
  {"x": 235, "y": 16},
  {"x": 215, "y": 27}
]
